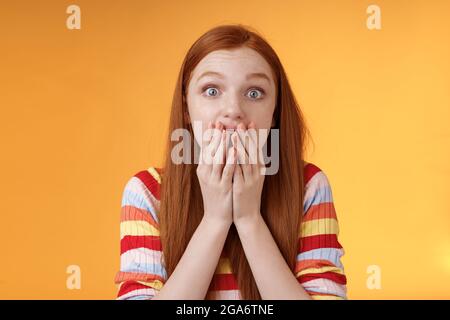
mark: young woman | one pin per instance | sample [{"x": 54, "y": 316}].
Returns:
[{"x": 223, "y": 229}]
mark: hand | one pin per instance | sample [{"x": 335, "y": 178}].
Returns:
[
  {"x": 248, "y": 178},
  {"x": 215, "y": 173}
]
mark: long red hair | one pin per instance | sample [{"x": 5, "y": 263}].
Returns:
[{"x": 181, "y": 208}]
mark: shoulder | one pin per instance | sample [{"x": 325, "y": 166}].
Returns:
[
  {"x": 313, "y": 175},
  {"x": 317, "y": 186},
  {"x": 142, "y": 191},
  {"x": 147, "y": 180}
]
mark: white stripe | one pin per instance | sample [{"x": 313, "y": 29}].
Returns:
[
  {"x": 140, "y": 256},
  {"x": 224, "y": 295},
  {"x": 150, "y": 292},
  {"x": 326, "y": 286},
  {"x": 319, "y": 180},
  {"x": 136, "y": 186}
]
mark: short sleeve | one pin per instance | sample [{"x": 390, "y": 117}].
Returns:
[
  {"x": 141, "y": 273},
  {"x": 319, "y": 267}
]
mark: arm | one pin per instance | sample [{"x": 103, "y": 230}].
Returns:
[
  {"x": 142, "y": 274},
  {"x": 273, "y": 276},
  {"x": 319, "y": 267},
  {"x": 200, "y": 259}
]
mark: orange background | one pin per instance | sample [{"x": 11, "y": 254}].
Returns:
[{"x": 83, "y": 110}]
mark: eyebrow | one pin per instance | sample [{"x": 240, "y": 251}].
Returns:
[{"x": 261, "y": 75}]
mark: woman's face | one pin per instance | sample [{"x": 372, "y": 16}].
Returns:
[{"x": 231, "y": 87}]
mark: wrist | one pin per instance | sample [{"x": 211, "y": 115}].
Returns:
[
  {"x": 247, "y": 221},
  {"x": 216, "y": 221}
]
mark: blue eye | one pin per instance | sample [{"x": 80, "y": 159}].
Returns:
[
  {"x": 256, "y": 94},
  {"x": 211, "y": 92}
]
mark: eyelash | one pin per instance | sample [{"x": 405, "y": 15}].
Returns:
[{"x": 253, "y": 88}]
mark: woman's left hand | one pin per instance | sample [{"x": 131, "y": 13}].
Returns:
[{"x": 248, "y": 178}]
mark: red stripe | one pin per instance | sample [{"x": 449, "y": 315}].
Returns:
[
  {"x": 133, "y": 242},
  {"x": 309, "y": 171},
  {"x": 318, "y": 241},
  {"x": 150, "y": 182},
  {"x": 225, "y": 281},
  {"x": 336, "y": 277},
  {"x": 322, "y": 210},
  {"x": 129, "y": 286}
]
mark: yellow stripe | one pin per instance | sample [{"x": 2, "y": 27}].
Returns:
[
  {"x": 318, "y": 297},
  {"x": 155, "y": 284},
  {"x": 223, "y": 266},
  {"x": 320, "y": 270},
  {"x": 155, "y": 174},
  {"x": 137, "y": 228},
  {"x": 319, "y": 226}
]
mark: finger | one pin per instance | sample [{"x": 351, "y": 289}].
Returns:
[
  {"x": 241, "y": 156},
  {"x": 238, "y": 176},
  {"x": 230, "y": 165},
  {"x": 209, "y": 132},
  {"x": 246, "y": 141},
  {"x": 219, "y": 157},
  {"x": 253, "y": 148},
  {"x": 206, "y": 140},
  {"x": 211, "y": 148},
  {"x": 260, "y": 142},
  {"x": 214, "y": 145},
  {"x": 227, "y": 144},
  {"x": 240, "y": 130},
  {"x": 253, "y": 132},
  {"x": 249, "y": 140}
]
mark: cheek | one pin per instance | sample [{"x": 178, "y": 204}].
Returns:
[
  {"x": 200, "y": 108},
  {"x": 199, "y": 122},
  {"x": 262, "y": 117}
]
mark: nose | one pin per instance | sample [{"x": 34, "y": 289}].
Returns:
[{"x": 233, "y": 110}]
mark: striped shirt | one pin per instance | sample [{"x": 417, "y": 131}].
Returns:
[{"x": 142, "y": 274}]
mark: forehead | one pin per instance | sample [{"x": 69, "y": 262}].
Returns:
[{"x": 234, "y": 62}]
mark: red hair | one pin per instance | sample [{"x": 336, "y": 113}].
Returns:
[{"x": 181, "y": 207}]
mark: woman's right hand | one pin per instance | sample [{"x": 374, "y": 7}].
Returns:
[{"x": 215, "y": 174}]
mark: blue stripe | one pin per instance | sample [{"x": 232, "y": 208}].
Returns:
[
  {"x": 140, "y": 297},
  {"x": 322, "y": 194},
  {"x": 137, "y": 200},
  {"x": 331, "y": 254},
  {"x": 156, "y": 268}
]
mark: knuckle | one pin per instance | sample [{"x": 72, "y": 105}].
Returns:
[
  {"x": 226, "y": 171},
  {"x": 200, "y": 171}
]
